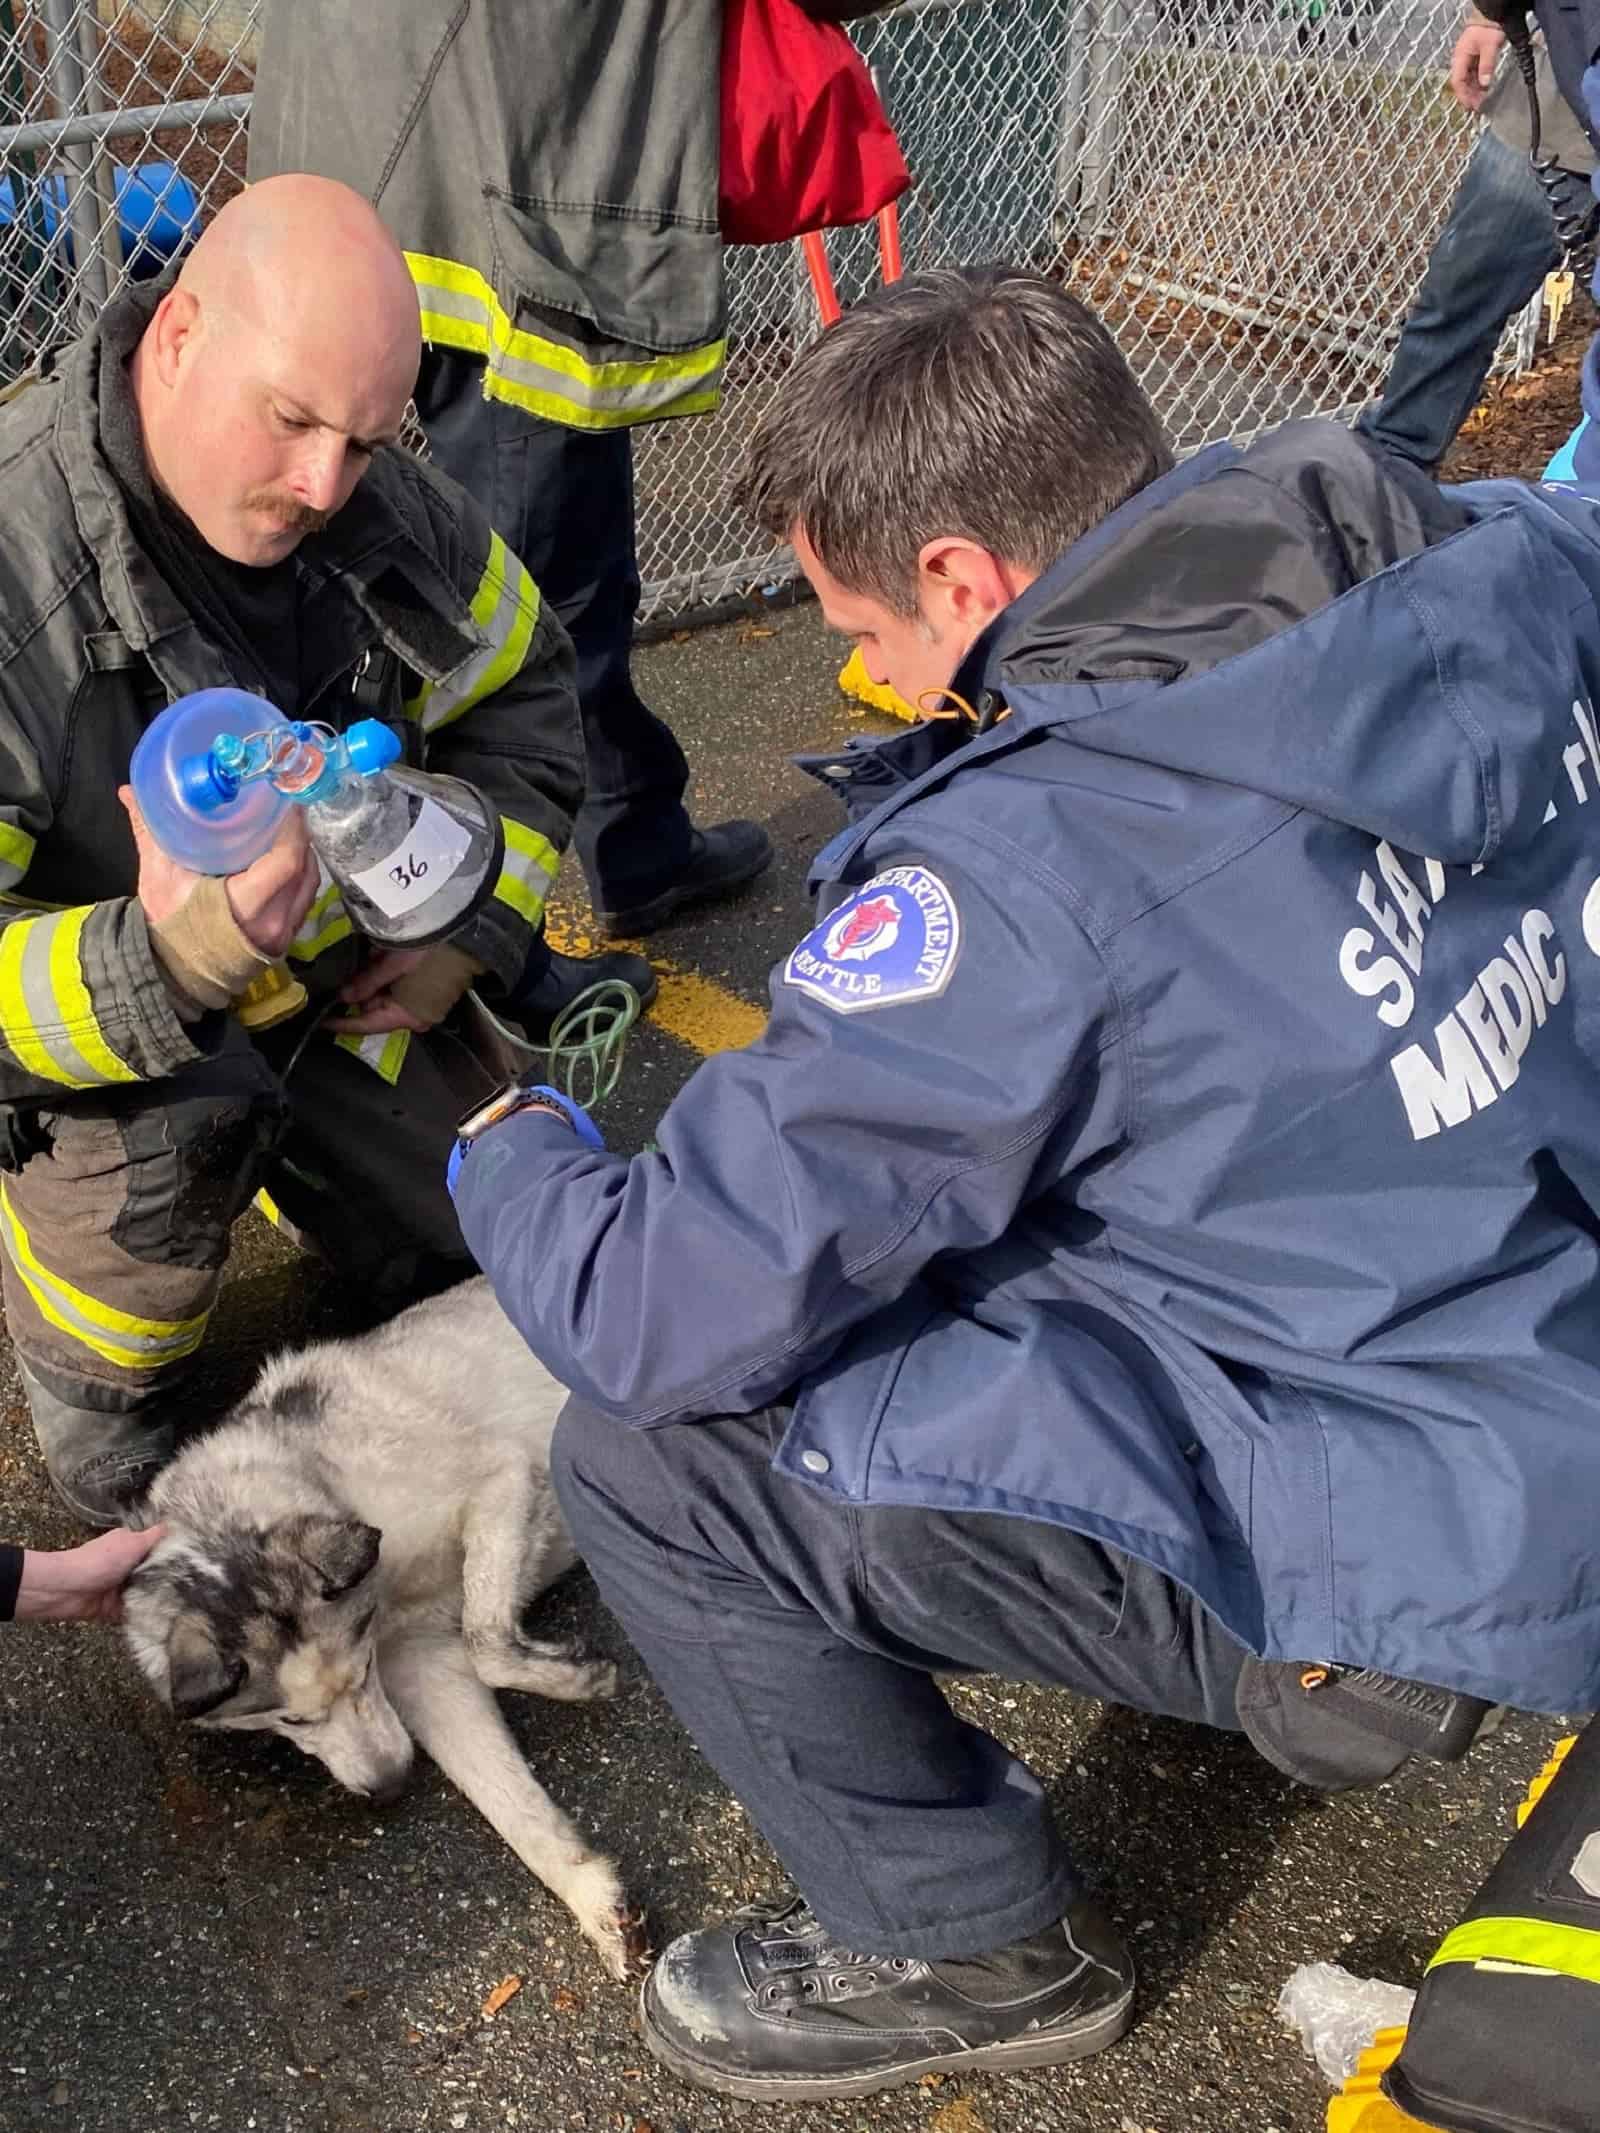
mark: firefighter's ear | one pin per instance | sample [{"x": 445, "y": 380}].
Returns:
[
  {"x": 963, "y": 587},
  {"x": 171, "y": 331}
]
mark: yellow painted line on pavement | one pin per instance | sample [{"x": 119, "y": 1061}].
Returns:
[{"x": 699, "y": 1012}]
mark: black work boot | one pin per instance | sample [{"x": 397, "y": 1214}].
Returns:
[
  {"x": 721, "y": 859},
  {"x": 100, "y": 1465},
  {"x": 535, "y": 1010},
  {"x": 770, "y": 2005}
]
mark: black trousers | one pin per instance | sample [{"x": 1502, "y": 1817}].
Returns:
[
  {"x": 115, "y": 1220},
  {"x": 562, "y": 500},
  {"x": 797, "y": 1640}
]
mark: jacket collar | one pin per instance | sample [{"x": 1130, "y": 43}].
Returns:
[{"x": 979, "y": 674}]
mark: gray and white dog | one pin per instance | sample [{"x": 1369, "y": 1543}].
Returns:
[{"x": 346, "y": 1562}]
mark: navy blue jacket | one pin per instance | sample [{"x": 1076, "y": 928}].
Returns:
[{"x": 1183, "y": 1124}]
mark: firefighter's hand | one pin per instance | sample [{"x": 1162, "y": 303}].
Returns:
[
  {"x": 268, "y": 899},
  {"x": 81, "y": 1584},
  {"x": 407, "y": 988},
  {"x": 1472, "y": 63}
]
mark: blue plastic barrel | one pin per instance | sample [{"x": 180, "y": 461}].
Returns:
[{"x": 158, "y": 213}]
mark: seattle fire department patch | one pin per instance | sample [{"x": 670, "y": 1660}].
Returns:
[{"x": 894, "y": 940}]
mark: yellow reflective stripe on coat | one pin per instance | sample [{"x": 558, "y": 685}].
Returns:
[
  {"x": 47, "y": 1020},
  {"x": 385, "y": 1052},
  {"x": 1526, "y": 1944},
  {"x": 16, "y": 854},
  {"x": 531, "y": 864},
  {"x": 128, "y": 1342},
  {"x": 265, "y": 1204},
  {"x": 549, "y": 379},
  {"x": 326, "y": 923},
  {"x": 506, "y": 608}
]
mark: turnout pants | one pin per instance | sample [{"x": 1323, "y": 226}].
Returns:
[
  {"x": 797, "y": 1640},
  {"x": 562, "y": 500},
  {"x": 115, "y": 1218}
]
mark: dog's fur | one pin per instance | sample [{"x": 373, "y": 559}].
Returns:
[{"x": 346, "y": 1562}]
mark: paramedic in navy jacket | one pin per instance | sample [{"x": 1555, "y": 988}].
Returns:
[{"x": 1155, "y": 1246}]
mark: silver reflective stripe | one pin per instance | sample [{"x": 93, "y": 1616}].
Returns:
[
  {"x": 47, "y": 1019},
  {"x": 506, "y": 608},
  {"x": 384, "y": 1051},
  {"x": 460, "y": 310},
  {"x": 130, "y": 1343}
]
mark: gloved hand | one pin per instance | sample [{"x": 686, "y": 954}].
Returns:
[
  {"x": 540, "y": 1097},
  {"x": 407, "y": 988},
  {"x": 206, "y": 956}
]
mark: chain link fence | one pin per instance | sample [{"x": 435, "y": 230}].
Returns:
[{"x": 1246, "y": 190}]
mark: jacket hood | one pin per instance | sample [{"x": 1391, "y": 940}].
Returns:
[{"x": 1312, "y": 623}]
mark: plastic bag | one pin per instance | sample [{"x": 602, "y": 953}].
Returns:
[
  {"x": 806, "y": 144},
  {"x": 1338, "y": 2015}
]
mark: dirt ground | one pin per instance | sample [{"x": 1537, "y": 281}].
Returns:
[{"x": 1521, "y": 421}]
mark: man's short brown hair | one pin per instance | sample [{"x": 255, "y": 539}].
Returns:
[{"x": 983, "y": 402}]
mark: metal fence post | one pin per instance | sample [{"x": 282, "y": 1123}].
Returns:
[
  {"x": 1106, "y": 67},
  {"x": 96, "y": 255},
  {"x": 1082, "y": 26},
  {"x": 27, "y": 281}
]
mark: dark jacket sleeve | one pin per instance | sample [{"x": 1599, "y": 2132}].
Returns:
[
  {"x": 10, "y": 1579},
  {"x": 83, "y": 1003},
  {"x": 505, "y": 719},
  {"x": 802, "y": 1183},
  {"x": 843, "y": 10}
]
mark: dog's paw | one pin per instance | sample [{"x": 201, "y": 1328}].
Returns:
[
  {"x": 571, "y": 1680},
  {"x": 551, "y": 1670},
  {"x": 633, "y": 1931},
  {"x": 615, "y": 1927},
  {"x": 623, "y": 1943},
  {"x": 594, "y": 1681}
]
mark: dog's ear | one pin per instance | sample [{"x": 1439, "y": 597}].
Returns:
[
  {"x": 341, "y": 1551},
  {"x": 198, "y": 1676}
]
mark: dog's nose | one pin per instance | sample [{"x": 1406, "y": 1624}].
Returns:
[{"x": 387, "y": 1789}]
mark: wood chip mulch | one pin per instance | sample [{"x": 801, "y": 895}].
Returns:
[{"x": 1522, "y": 421}]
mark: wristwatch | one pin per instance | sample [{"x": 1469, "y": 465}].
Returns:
[{"x": 514, "y": 1096}]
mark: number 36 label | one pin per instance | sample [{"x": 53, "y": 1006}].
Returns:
[{"x": 431, "y": 853}]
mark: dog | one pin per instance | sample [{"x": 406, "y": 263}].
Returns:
[{"x": 346, "y": 1562}]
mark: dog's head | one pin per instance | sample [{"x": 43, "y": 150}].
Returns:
[{"x": 271, "y": 1630}]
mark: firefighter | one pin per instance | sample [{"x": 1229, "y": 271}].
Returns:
[
  {"x": 552, "y": 174},
  {"x": 205, "y": 491}
]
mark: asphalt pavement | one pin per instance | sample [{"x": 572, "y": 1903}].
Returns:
[{"x": 203, "y": 1931}]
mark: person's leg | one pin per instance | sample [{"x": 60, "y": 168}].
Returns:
[
  {"x": 359, "y": 1174},
  {"x": 797, "y": 1641},
  {"x": 751, "y": 1618},
  {"x": 563, "y": 500},
  {"x": 482, "y": 445},
  {"x": 1496, "y": 247},
  {"x": 115, "y": 1230}
]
